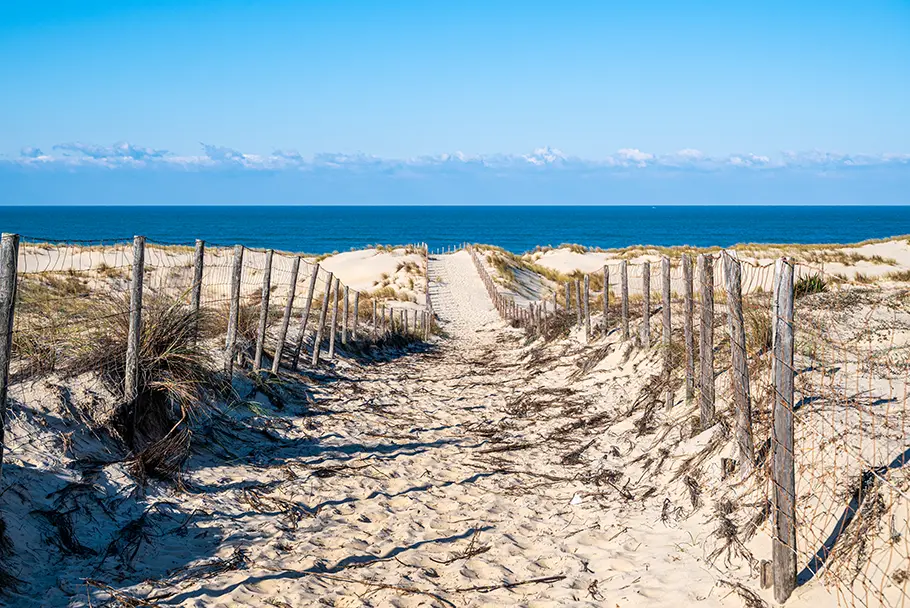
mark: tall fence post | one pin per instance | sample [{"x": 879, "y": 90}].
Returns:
[
  {"x": 375, "y": 319},
  {"x": 344, "y": 316},
  {"x": 783, "y": 475},
  {"x": 568, "y": 298},
  {"x": 263, "y": 310},
  {"x": 131, "y": 378},
  {"x": 323, "y": 313},
  {"x": 606, "y": 298},
  {"x": 234, "y": 314},
  {"x": 286, "y": 319},
  {"x": 578, "y": 302},
  {"x": 666, "y": 329},
  {"x": 196, "y": 294},
  {"x": 706, "y": 340},
  {"x": 624, "y": 295},
  {"x": 646, "y": 304},
  {"x": 305, "y": 317},
  {"x": 9, "y": 260},
  {"x": 334, "y": 330},
  {"x": 742, "y": 399},
  {"x": 356, "y": 315},
  {"x": 587, "y": 308},
  {"x": 688, "y": 323}
]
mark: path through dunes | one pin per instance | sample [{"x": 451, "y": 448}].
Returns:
[{"x": 478, "y": 473}]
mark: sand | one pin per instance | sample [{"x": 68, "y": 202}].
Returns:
[{"x": 486, "y": 470}]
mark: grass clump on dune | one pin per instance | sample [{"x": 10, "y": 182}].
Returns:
[
  {"x": 813, "y": 283},
  {"x": 175, "y": 381}
]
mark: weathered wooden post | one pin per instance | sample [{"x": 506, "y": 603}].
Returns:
[
  {"x": 568, "y": 299},
  {"x": 624, "y": 297},
  {"x": 606, "y": 298},
  {"x": 742, "y": 399},
  {"x": 305, "y": 317},
  {"x": 577, "y": 302},
  {"x": 544, "y": 319},
  {"x": 286, "y": 319},
  {"x": 234, "y": 314},
  {"x": 384, "y": 325},
  {"x": 783, "y": 475},
  {"x": 344, "y": 315},
  {"x": 778, "y": 264},
  {"x": 375, "y": 318},
  {"x": 706, "y": 340},
  {"x": 196, "y": 294},
  {"x": 133, "y": 339},
  {"x": 646, "y": 304},
  {"x": 356, "y": 315},
  {"x": 403, "y": 314},
  {"x": 9, "y": 261},
  {"x": 587, "y": 308},
  {"x": 688, "y": 325},
  {"x": 416, "y": 328},
  {"x": 263, "y": 310},
  {"x": 334, "y": 331},
  {"x": 320, "y": 329},
  {"x": 666, "y": 329}
]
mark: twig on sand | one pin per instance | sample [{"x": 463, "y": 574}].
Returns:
[
  {"x": 377, "y": 586},
  {"x": 488, "y": 588}
]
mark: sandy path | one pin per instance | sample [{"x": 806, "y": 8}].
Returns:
[{"x": 409, "y": 485}]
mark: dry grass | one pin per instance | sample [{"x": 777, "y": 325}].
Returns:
[{"x": 175, "y": 379}]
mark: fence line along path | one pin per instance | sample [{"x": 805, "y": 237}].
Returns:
[{"x": 459, "y": 298}]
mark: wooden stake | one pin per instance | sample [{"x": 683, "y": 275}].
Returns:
[
  {"x": 646, "y": 304},
  {"x": 334, "y": 331},
  {"x": 577, "y": 302},
  {"x": 356, "y": 315},
  {"x": 305, "y": 317},
  {"x": 263, "y": 310},
  {"x": 286, "y": 319},
  {"x": 606, "y": 298},
  {"x": 320, "y": 329},
  {"x": 706, "y": 340},
  {"x": 344, "y": 315},
  {"x": 234, "y": 314},
  {"x": 587, "y": 308},
  {"x": 688, "y": 323},
  {"x": 133, "y": 340},
  {"x": 9, "y": 261},
  {"x": 742, "y": 400},
  {"x": 783, "y": 475},
  {"x": 624, "y": 295},
  {"x": 196, "y": 296},
  {"x": 666, "y": 329}
]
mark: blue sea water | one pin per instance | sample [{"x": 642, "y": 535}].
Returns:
[{"x": 518, "y": 229}]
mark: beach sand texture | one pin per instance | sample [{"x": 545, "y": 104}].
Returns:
[{"x": 488, "y": 468}]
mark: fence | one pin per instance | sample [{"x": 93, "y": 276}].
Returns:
[
  {"x": 809, "y": 377},
  {"x": 112, "y": 323}
]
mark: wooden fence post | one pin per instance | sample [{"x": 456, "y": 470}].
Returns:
[
  {"x": 778, "y": 264},
  {"x": 587, "y": 308},
  {"x": 577, "y": 302},
  {"x": 375, "y": 319},
  {"x": 403, "y": 314},
  {"x": 383, "y": 324},
  {"x": 568, "y": 299},
  {"x": 9, "y": 260},
  {"x": 234, "y": 314},
  {"x": 415, "y": 321},
  {"x": 286, "y": 319},
  {"x": 706, "y": 339},
  {"x": 196, "y": 295},
  {"x": 133, "y": 340},
  {"x": 606, "y": 298},
  {"x": 320, "y": 329},
  {"x": 356, "y": 315},
  {"x": 688, "y": 318},
  {"x": 646, "y": 304},
  {"x": 305, "y": 317},
  {"x": 783, "y": 476},
  {"x": 333, "y": 333},
  {"x": 263, "y": 310},
  {"x": 624, "y": 295},
  {"x": 742, "y": 399},
  {"x": 666, "y": 329},
  {"x": 344, "y": 315}
]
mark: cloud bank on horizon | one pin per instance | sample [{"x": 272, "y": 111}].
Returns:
[{"x": 124, "y": 173}]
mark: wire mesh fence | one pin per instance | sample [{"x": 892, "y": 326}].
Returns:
[{"x": 818, "y": 416}]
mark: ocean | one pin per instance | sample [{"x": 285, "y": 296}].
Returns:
[{"x": 326, "y": 229}]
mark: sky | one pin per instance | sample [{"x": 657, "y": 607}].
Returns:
[{"x": 650, "y": 102}]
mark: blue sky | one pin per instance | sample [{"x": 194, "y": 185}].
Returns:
[{"x": 426, "y": 101}]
